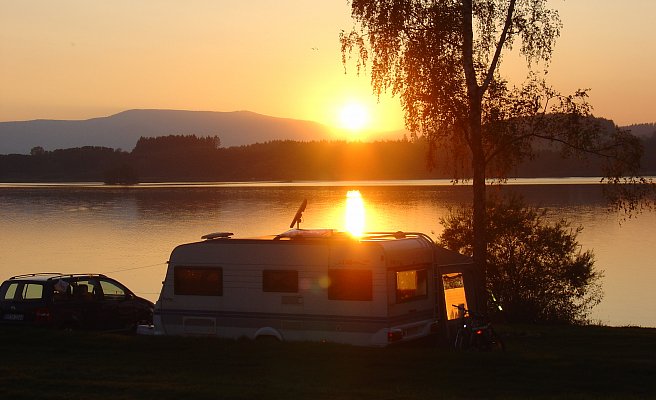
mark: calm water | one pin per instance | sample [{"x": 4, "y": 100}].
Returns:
[{"x": 129, "y": 233}]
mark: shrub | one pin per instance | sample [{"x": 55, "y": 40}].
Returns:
[{"x": 536, "y": 270}]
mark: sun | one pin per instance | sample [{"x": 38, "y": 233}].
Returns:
[{"x": 353, "y": 116}]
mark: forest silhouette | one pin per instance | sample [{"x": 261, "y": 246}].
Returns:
[{"x": 190, "y": 158}]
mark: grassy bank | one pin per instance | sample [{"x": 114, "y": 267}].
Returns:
[{"x": 563, "y": 362}]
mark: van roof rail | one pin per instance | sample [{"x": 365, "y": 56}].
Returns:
[
  {"x": 53, "y": 275},
  {"x": 84, "y": 274},
  {"x": 36, "y": 274}
]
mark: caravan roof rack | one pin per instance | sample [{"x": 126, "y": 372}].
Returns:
[
  {"x": 217, "y": 235},
  {"x": 308, "y": 234},
  {"x": 396, "y": 235}
]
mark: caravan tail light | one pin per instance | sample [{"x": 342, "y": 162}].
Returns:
[{"x": 394, "y": 335}]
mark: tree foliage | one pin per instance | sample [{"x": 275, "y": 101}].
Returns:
[
  {"x": 537, "y": 271},
  {"x": 174, "y": 143},
  {"x": 122, "y": 174},
  {"x": 442, "y": 58}
]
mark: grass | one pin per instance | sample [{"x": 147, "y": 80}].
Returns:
[{"x": 540, "y": 363}]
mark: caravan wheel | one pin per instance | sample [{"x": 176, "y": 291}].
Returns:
[{"x": 268, "y": 334}]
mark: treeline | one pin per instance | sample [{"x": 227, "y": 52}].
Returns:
[
  {"x": 80, "y": 164},
  {"x": 191, "y": 158}
]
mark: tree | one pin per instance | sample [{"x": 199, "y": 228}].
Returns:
[
  {"x": 536, "y": 269},
  {"x": 123, "y": 174},
  {"x": 442, "y": 58},
  {"x": 37, "y": 151}
]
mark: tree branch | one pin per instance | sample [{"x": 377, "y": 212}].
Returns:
[
  {"x": 468, "y": 49},
  {"x": 597, "y": 151},
  {"x": 502, "y": 41}
]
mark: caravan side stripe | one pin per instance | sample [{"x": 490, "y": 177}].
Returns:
[{"x": 296, "y": 321}]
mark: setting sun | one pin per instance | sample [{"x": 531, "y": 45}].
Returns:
[{"x": 353, "y": 116}]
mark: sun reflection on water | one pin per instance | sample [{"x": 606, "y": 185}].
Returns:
[{"x": 354, "y": 220}]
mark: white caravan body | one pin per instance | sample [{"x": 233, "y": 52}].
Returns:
[{"x": 304, "y": 285}]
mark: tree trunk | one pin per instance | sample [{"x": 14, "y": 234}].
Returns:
[
  {"x": 479, "y": 212},
  {"x": 474, "y": 130}
]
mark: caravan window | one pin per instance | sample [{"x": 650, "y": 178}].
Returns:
[
  {"x": 411, "y": 285},
  {"x": 280, "y": 281},
  {"x": 350, "y": 284},
  {"x": 198, "y": 281}
]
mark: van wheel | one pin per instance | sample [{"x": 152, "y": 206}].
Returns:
[
  {"x": 268, "y": 339},
  {"x": 69, "y": 326}
]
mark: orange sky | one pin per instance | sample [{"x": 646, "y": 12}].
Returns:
[{"x": 77, "y": 59}]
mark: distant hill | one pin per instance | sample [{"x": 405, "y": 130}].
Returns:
[
  {"x": 643, "y": 130},
  {"x": 122, "y": 130}
]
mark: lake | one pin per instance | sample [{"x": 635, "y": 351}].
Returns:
[{"x": 129, "y": 232}]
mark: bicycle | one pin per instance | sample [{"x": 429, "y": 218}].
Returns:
[{"x": 475, "y": 331}]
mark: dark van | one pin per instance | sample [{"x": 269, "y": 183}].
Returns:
[{"x": 72, "y": 301}]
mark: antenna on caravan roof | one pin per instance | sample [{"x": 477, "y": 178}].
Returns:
[{"x": 299, "y": 214}]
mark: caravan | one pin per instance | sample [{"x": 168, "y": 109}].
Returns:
[{"x": 311, "y": 285}]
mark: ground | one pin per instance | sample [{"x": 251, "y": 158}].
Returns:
[{"x": 540, "y": 363}]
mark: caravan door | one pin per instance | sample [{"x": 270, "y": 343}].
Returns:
[{"x": 455, "y": 295}]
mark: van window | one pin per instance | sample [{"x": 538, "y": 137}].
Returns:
[
  {"x": 10, "y": 291},
  {"x": 350, "y": 284},
  {"x": 32, "y": 291},
  {"x": 454, "y": 294},
  {"x": 279, "y": 281},
  {"x": 411, "y": 285},
  {"x": 29, "y": 291},
  {"x": 111, "y": 290},
  {"x": 85, "y": 290},
  {"x": 198, "y": 281}
]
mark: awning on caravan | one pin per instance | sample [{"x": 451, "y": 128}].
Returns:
[{"x": 449, "y": 257}]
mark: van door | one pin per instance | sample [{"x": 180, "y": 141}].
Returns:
[
  {"x": 84, "y": 304},
  {"x": 117, "y": 305}
]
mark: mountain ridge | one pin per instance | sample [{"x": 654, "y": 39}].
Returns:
[{"x": 123, "y": 129}]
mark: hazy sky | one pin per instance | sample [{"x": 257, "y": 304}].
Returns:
[{"x": 77, "y": 59}]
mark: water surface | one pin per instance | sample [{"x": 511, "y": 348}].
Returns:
[{"x": 129, "y": 232}]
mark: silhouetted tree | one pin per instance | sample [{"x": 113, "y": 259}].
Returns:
[
  {"x": 124, "y": 174},
  {"x": 37, "y": 151},
  {"x": 536, "y": 269},
  {"x": 176, "y": 144},
  {"x": 276, "y": 160},
  {"x": 442, "y": 58}
]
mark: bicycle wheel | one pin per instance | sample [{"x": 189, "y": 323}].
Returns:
[
  {"x": 460, "y": 342},
  {"x": 496, "y": 343}
]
